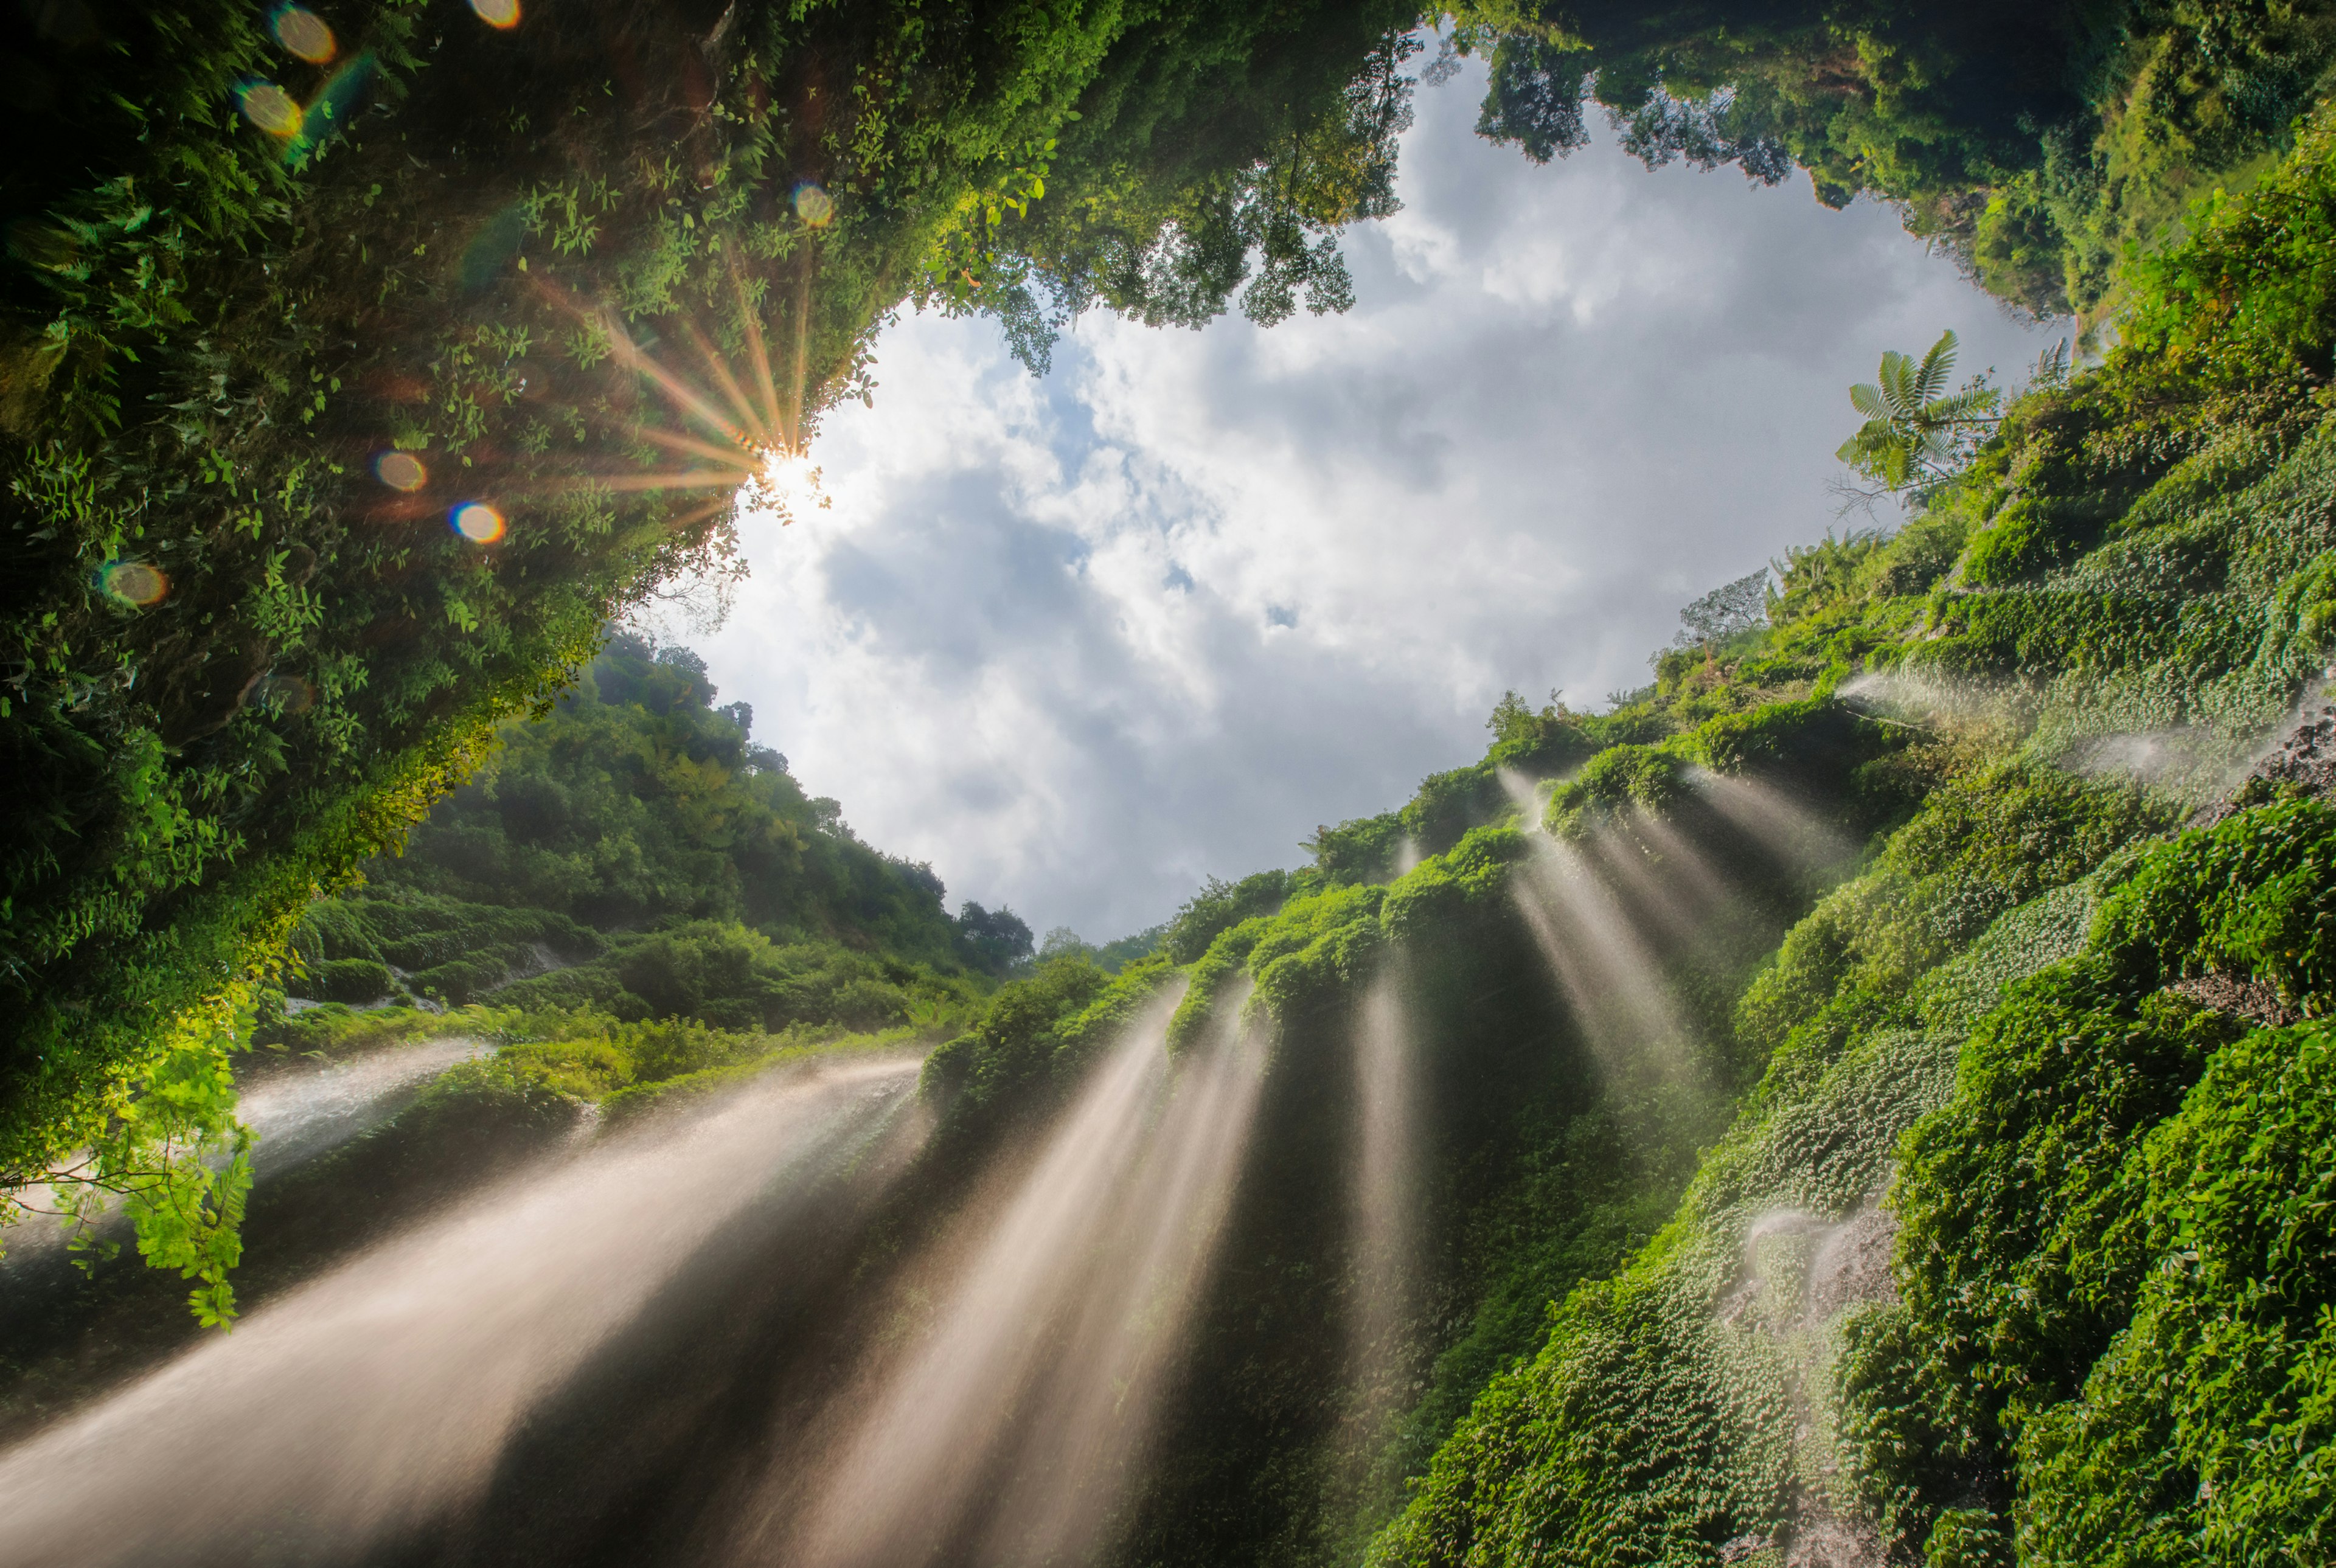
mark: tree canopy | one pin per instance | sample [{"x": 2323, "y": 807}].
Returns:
[{"x": 1915, "y": 430}]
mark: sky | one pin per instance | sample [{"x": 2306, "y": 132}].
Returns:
[{"x": 1083, "y": 642}]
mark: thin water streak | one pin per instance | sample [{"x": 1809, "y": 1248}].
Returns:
[
  {"x": 1385, "y": 1194},
  {"x": 1089, "y": 1428},
  {"x": 1773, "y": 820},
  {"x": 1594, "y": 951}
]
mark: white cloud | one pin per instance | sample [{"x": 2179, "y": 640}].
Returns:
[{"x": 1083, "y": 642}]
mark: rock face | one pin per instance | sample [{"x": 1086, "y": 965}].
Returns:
[
  {"x": 1823, "y": 1540},
  {"x": 1799, "y": 1274},
  {"x": 1852, "y": 1265},
  {"x": 2307, "y": 756},
  {"x": 2302, "y": 759},
  {"x": 2252, "y": 999}
]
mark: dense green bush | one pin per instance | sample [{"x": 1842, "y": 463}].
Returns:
[
  {"x": 634, "y": 802},
  {"x": 1219, "y": 906},
  {"x": 1033, "y": 1038},
  {"x": 2030, "y": 1203},
  {"x": 355, "y": 980},
  {"x": 2205, "y": 1429}
]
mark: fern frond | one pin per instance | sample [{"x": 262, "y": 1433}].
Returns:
[{"x": 1937, "y": 366}]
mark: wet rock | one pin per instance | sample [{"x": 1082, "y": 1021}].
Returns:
[
  {"x": 2249, "y": 998},
  {"x": 1853, "y": 1264},
  {"x": 2303, "y": 761}
]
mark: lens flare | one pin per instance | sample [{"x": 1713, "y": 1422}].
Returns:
[
  {"x": 303, "y": 32},
  {"x": 270, "y": 108},
  {"x": 400, "y": 470},
  {"x": 786, "y": 485},
  {"x": 333, "y": 109},
  {"x": 477, "y": 521},
  {"x": 500, "y": 13},
  {"x": 814, "y": 206},
  {"x": 134, "y": 582}
]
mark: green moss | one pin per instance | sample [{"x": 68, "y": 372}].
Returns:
[
  {"x": 2250, "y": 897},
  {"x": 2207, "y": 1427},
  {"x": 2030, "y": 1242}
]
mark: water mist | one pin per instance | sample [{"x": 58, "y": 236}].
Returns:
[
  {"x": 1383, "y": 1196},
  {"x": 1008, "y": 1431},
  {"x": 1594, "y": 950},
  {"x": 295, "y": 1115},
  {"x": 1798, "y": 839},
  {"x": 378, "y": 1397}
]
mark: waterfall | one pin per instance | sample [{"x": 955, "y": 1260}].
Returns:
[
  {"x": 296, "y": 1115},
  {"x": 1384, "y": 1195},
  {"x": 1610, "y": 979},
  {"x": 379, "y": 1396},
  {"x": 1801, "y": 843},
  {"x": 1008, "y": 1431}
]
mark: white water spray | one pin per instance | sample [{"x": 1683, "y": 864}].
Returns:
[
  {"x": 297, "y": 1114},
  {"x": 1007, "y": 1432},
  {"x": 1386, "y": 1218},
  {"x": 1610, "y": 979},
  {"x": 381, "y": 1394},
  {"x": 1776, "y": 823},
  {"x": 294, "y": 1115}
]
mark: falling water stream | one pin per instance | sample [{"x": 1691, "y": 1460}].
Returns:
[
  {"x": 1007, "y": 1430},
  {"x": 379, "y": 1396},
  {"x": 989, "y": 1396},
  {"x": 1384, "y": 1193},
  {"x": 295, "y": 1115},
  {"x": 986, "y": 1397}
]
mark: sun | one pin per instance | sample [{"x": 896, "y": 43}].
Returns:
[{"x": 786, "y": 483}]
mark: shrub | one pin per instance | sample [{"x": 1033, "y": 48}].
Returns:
[{"x": 355, "y": 980}]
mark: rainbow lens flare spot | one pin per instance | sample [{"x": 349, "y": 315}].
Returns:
[
  {"x": 814, "y": 206},
  {"x": 302, "y": 33},
  {"x": 400, "y": 470},
  {"x": 270, "y": 108},
  {"x": 134, "y": 582},
  {"x": 477, "y": 521},
  {"x": 497, "y": 13}
]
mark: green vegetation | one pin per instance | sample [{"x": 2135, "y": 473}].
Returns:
[
  {"x": 2029, "y": 1044},
  {"x": 2045, "y": 145},
  {"x": 630, "y": 899},
  {"x": 1924, "y": 1133},
  {"x": 634, "y": 853},
  {"x": 2005, "y": 1234},
  {"x": 1916, "y": 432},
  {"x": 266, "y": 326},
  {"x": 630, "y": 892},
  {"x": 271, "y": 317}
]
